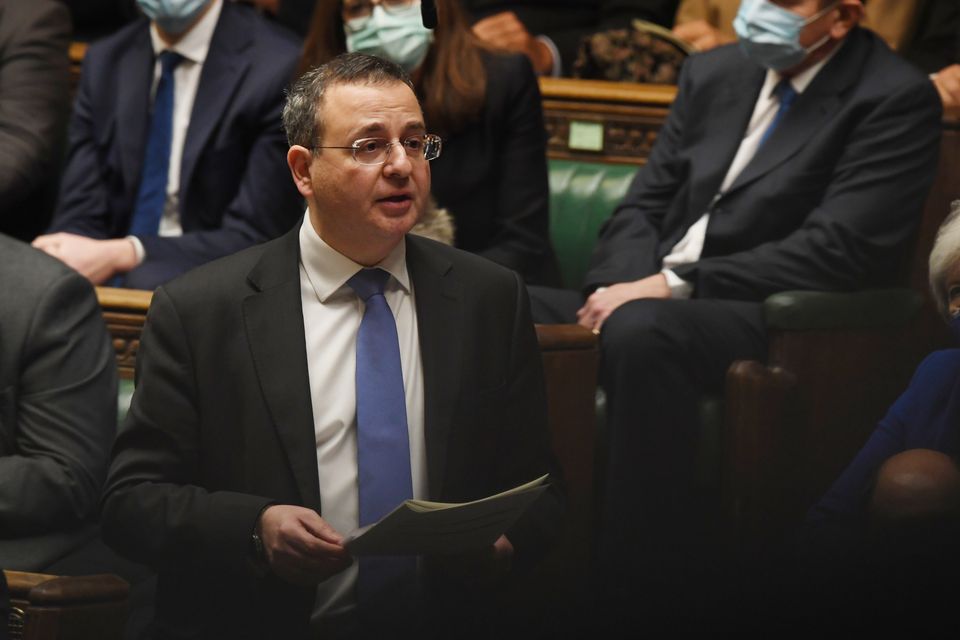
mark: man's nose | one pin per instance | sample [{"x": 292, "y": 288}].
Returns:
[{"x": 398, "y": 163}]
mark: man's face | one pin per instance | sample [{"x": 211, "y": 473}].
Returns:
[{"x": 360, "y": 210}]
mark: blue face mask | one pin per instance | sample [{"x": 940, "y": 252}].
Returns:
[
  {"x": 398, "y": 36},
  {"x": 172, "y": 16},
  {"x": 770, "y": 35}
]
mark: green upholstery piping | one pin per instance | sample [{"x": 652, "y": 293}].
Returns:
[{"x": 816, "y": 310}]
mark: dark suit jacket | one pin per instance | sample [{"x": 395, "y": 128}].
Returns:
[
  {"x": 221, "y": 424},
  {"x": 492, "y": 175},
  {"x": 828, "y": 203},
  {"x": 235, "y": 187},
  {"x": 566, "y": 22},
  {"x": 58, "y": 407},
  {"x": 33, "y": 79}
]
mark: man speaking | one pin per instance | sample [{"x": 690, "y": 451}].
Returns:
[{"x": 289, "y": 393}]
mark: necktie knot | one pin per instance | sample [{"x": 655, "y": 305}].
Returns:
[
  {"x": 368, "y": 282},
  {"x": 786, "y": 94},
  {"x": 169, "y": 61}
]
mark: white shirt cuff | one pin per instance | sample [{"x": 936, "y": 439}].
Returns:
[
  {"x": 138, "y": 249},
  {"x": 679, "y": 288},
  {"x": 557, "y": 66}
]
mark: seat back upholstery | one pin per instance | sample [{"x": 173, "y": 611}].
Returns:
[{"x": 582, "y": 196}]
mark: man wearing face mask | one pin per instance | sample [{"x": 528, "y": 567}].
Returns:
[
  {"x": 176, "y": 148},
  {"x": 798, "y": 159}
]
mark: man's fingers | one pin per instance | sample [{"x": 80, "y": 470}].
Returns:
[{"x": 319, "y": 528}]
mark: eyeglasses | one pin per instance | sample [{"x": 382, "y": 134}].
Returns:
[
  {"x": 377, "y": 150},
  {"x": 354, "y": 9}
]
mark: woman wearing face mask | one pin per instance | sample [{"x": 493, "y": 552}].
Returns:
[
  {"x": 492, "y": 175},
  {"x": 927, "y": 415}
]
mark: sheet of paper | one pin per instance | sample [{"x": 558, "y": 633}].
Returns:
[{"x": 419, "y": 527}]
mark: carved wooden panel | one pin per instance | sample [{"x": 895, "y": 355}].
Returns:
[
  {"x": 628, "y": 115},
  {"x": 124, "y": 311}
]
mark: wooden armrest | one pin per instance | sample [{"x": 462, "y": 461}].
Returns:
[
  {"x": 565, "y": 337},
  {"x": 131, "y": 300},
  {"x": 43, "y": 589}
]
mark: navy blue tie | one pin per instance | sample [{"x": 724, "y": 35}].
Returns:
[
  {"x": 786, "y": 94},
  {"x": 152, "y": 194},
  {"x": 383, "y": 446}
]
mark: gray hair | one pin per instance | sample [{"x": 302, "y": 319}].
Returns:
[
  {"x": 944, "y": 256},
  {"x": 301, "y": 113}
]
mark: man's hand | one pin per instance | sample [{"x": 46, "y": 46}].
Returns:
[
  {"x": 947, "y": 82},
  {"x": 701, "y": 34},
  {"x": 605, "y": 301},
  {"x": 478, "y": 570},
  {"x": 300, "y": 546},
  {"x": 505, "y": 31},
  {"x": 96, "y": 260}
]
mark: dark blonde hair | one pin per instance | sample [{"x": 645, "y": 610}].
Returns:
[{"x": 451, "y": 83}]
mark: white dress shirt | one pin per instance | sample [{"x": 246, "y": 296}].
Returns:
[
  {"x": 186, "y": 78},
  {"x": 690, "y": 246},
  {"x": 331, "y": 318}
]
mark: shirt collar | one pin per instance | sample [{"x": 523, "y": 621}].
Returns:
[
  {"x": 196, "y": 42},
  {"x": 802, "y": 80},
  {"x": 328, "y": 270}
]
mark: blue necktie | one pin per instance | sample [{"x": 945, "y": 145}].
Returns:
[
  {"x": 786, "y": 94},
  {"x": 383, "y": 447},
  {"x": 152, "y": 194}
]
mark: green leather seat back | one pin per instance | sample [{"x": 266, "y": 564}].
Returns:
[
  {"x": 124, "y": 395},
  {"x": 582, "y": 196}
]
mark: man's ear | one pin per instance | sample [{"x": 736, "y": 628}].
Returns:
[
  {"x": 299, "y": 160},
  {"x": 851, "y": 13}
]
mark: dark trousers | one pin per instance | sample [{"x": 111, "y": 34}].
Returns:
[{"x": 659, "y": 358}]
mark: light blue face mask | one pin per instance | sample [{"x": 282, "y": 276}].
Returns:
[
  {"x": 770, "y": 35},
  {"x": 173, "y": 16},
  {"x": 398, "y": 36}
]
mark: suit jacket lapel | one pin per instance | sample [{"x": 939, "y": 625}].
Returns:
[
  {"x": 439, "y": 321},
  {"x": 226, "y": 63},
  {"x": 811, "y": 109},
  {"x": 273, "y": 317},
  {"x": 733, "y": 107},
  {"x": 133, "y": 106}
]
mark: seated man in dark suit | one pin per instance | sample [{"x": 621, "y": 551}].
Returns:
[
  {"x": 293, "y": 391},
  {"x": 549, "y": 32},
  {"x": 152, "y": 191},
  {"x": 802, "y": 165},
  {"x": 58, "y": 408}
]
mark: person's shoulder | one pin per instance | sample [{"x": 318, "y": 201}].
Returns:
[
  {"x": 26, "y": 18},
  {"x": 113, "y": 46},
  {"x": 939, "y": 367},
  {"x": 507, "y": 63},
  {"x": 222, "y": 279},
  {"x": 463, "y": 264},
  {"x": 23, "y": 267},
  {"x": 883, "y": 68},
  {"x": 28, "y": 274},
  {"x": 511, "y": 82}
]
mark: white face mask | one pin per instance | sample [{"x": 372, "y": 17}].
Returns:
[{"x": 398, "y": 36}]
